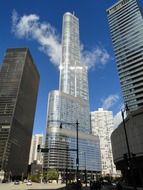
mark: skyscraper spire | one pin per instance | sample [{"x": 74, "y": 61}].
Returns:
[{"x": 71, "y": 66}]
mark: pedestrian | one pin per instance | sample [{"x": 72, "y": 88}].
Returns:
[
  {"x": 98, "y": 185},
  {"x": 91, "y": 185},
  {"x": 94, "y": 185},
  {"x": 79, "y": 185}
]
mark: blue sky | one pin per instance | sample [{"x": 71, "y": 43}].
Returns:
[{"x": 37, "y": 24}]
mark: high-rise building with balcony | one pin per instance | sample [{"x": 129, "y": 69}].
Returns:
[
  {"x": 126, "y": 26},
  {"x": 68, "y": 105},
  {"x": 102, "y": 125},
  {"x": 19, "y": 80}
]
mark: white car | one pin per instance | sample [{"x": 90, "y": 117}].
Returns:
[
  {"x": 114, "y": 184},
  {"x": 16, "y": 182},
  {"x": 29, "y": 183}
]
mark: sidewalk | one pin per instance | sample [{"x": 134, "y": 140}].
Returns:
[{"x": 23, "y": 186}]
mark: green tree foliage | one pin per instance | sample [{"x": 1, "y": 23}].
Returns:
[
  {"x": 36, "y": 177},
  {"x": 52, "y": 174}
]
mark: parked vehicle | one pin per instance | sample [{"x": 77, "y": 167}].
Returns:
[
  {"x": 16, "y": 182},
  {"x": 29, "y": 183}
]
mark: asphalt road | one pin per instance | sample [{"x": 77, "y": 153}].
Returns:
[
  {"x": 38, "y": 186},
  {"x": 34, "y": 186}
]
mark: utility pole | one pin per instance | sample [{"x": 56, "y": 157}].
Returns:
[
  {"x": 77, "y": 154},
  {"x": 128, "y": 148}
]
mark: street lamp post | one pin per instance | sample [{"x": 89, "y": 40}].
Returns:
[
  {"x": 77, "y": 156},
  {"x": 39, "y": 149},
  {"x": 85, "y": 169},
  {"x": 128, "y": 147},
  {"x": 77, "y": 148}
]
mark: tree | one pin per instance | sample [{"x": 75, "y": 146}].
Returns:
[{"x": 52, "y": 174}]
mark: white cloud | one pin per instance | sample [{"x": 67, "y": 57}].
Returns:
[
  {"x": 97, "y": 56},
  {"x": 118, "y": 117},
  {"x": 14, "y": 20},
  {"x": 30, "y": 27},
  {"x": 109, "y": 101}
]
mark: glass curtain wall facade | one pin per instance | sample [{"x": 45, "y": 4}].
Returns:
[
  {"x": 73, "y": 73},
  {"x": 126, "y": 27},
  {"x": 69, "y": 110},
  {"x": 19, "y": 81},
  {"x": 69, "y": 104}
]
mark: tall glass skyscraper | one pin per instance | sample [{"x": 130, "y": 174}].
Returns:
[
  {"x": 126, "y": 27},
  {"x": 69, "y": 104},
  {"x": 73, "y": 73}
]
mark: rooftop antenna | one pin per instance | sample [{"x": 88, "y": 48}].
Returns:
[{"x": 73, "y": 13}]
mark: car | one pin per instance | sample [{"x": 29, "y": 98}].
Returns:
[
  {"x": 4, "y": 181},
  {"x": 114, "y": 184},
  {"x": 16, "y": 182},
  {"x": 29, "y": 183}
]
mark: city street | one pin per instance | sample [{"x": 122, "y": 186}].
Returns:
[
  {"x": 34, "y": 186},
  {"x": 52, "y": 186},
  {"x": 39, "y": 186}
]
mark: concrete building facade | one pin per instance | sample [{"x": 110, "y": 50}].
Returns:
[
  {"x": 37, "y": 139},
  {"x": 134, "y": 128}
]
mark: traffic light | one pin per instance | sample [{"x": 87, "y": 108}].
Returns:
[
  {"x": 126, "y": 160},
  {"x": 44, "y": 149},
  {"x": 38, "y": 148},
  {"x": 134, "y": 160},
  {"x": 133, "y": 155},
  {"x": 61, "y": 126}
]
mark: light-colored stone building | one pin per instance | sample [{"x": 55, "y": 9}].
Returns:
[
  {"x": 34, "y": 155},
  {"x": 102, "y": 125}
]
